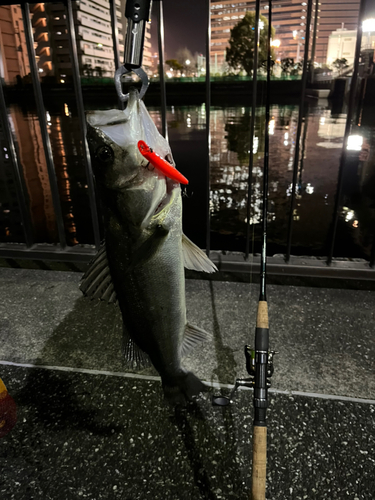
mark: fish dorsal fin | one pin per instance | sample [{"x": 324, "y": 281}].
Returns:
[
  {"x": 195, "y": 258},
  {"x": 97, "y": 283},
  {"x": 193, "y": 336},
  {"x": 134, "y": 357}
]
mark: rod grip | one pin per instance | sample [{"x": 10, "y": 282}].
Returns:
[
  {"x": 262, "y": 315},
  {"x": 258, "y": 487}
]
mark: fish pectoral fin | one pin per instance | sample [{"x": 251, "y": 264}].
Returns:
[
  {"x": 97, "y": 283},
  {"x": 195, "y": 258},
  {"x": 193, "y": 336},
  {"x": 149, "y": 247},
  {"x": 134, "y": 357}
]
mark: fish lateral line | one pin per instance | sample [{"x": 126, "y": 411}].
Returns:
[{"x": 158, "y": 162}]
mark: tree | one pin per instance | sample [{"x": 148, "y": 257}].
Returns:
[
  {"x": 98, "y": 71},
  {"x": 240, "y": 54},
  {"x": 174, "y": 64},
  {"x": 184, "y": 55},
  {"x": 238, "y": 135},
  {"x": 297, "y": 68},
  {"x": 340, "y": 64},
  {"x": 286, "y": 65},
  {"x": 87, "y": 70}
]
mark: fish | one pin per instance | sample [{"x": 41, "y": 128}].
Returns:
[{"x": 141, "y": 263}]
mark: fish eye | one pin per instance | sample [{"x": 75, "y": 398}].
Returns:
[{"x": 104, "y": 154}]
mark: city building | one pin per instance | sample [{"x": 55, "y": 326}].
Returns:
[
  {"x": 342, "y": 42},
  {"x": 13, "y": 52},
  {"x": 341, "y": 45},
  {"x": 288, "y": 19},
  {"x": 93, "y": 31},
  {"x": 333, "y": 15}
]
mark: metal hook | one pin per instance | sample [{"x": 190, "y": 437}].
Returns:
[{"x": 123, "y": 70}]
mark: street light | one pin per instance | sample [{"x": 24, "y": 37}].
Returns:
[
  {"x": 368, "y": 26},
  {"x": 187, "y": 62}
]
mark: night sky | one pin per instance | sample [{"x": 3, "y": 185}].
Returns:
[{"x": 185, "y": 24}]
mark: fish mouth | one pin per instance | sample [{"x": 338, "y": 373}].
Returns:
[{"x": 171, "y": 186}]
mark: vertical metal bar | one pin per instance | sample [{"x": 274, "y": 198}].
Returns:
[
  {"x": 43, "y": 123},
  {"x": 208, "y": 128},
  {"x": 163, "y": 93},
  {"x": 353, "y": 88},
  {"x": 22, "y": 196},
  {"x": 82, "y": 121},
  {"x": 299, "y": 129},
  {"x": 312, "y": 58},
  {"x": 116, "y": 52},
  {"x": 252, "y": 125},
  {"x": 372, "y": 258}
]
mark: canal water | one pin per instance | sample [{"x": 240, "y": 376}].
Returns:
[{"x": 321, "y": 147}]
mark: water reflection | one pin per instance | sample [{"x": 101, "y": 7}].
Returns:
[{"x": 321, "y": 145}]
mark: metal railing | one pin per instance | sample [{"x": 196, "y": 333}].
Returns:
[{"x": 287, "y": 266}]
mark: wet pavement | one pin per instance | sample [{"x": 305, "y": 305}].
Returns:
[{"x": 87, "y": 429}]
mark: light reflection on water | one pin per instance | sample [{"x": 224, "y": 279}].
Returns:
[{"x": 321, "y": 144}]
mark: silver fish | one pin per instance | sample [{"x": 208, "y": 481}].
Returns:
[{"x": 142, "y": 263}]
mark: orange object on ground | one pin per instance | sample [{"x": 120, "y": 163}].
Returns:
[
  {"x": 8, "y": 411},
  {"x": 158, "y": 162}
]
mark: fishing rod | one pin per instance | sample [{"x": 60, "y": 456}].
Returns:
[{"x": 259, "y": 360}]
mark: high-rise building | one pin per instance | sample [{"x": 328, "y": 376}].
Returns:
[
  {"x": 334, "y": 14},
  {"x": 342, "y": 43},
  {"x": 13, "y": 51},
  {"x": 289, "y": 21},
  {"x": 93, "y": 32}
]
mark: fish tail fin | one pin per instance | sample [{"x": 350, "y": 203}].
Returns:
[{"x": 180, "y": 389}]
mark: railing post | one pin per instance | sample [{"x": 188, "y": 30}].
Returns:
[
  {"x": 252, "y": 125},
  {"x": 82, "y": 121},
  {"x": 116, "y": 53},
  {"x": 353, "y": 88},
  {"x": 314, "y": 41},
  {"x": 43, "y": 124},
  {"x": 163, "y": 93},
  {"x": 208, "y": 129},
  {"x": 372, "y": 258},
  {"x": 299, "y": 129},
  {"x": 22, "y": 195}
]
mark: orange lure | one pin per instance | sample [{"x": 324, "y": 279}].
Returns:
[
  {"x": 158, "y": 162},
  {"x": 8, "y": 412}
]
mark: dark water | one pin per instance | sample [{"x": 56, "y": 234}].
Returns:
[{"x": 321, "y": 145}]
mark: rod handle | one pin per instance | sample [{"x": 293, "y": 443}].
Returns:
[
  {"x": 262, "y": 315},
  {"x": 258, "y": 487}
]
